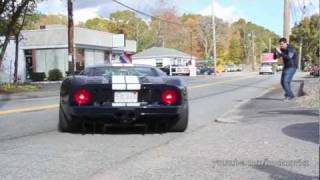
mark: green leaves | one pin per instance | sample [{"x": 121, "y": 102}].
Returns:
[{"x": 307, "y": 31}]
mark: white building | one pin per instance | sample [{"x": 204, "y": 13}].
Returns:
[
  {"x": 161, "y": 57},
  {"x": 46, "y": 48}
]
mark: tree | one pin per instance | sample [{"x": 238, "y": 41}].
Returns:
[
  {"x": 234, "y": 55},
  {"x": 205, "y": 34},
  {"x": 133, "y": 27},
  {"x": 125, "y": 22},
  {"x": 261, "y": 41},
  {"x": 192, "y": 46},
  {"x": 99, "y": 24},
  {"x": 17, "y": 38},
  {"x": 11, "y": 11},
  {"x": 308, "y": 32}
]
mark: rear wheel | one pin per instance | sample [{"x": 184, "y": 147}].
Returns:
[
  {"x": 66, "y": 125},
  {"x": 182, "y": 123}
]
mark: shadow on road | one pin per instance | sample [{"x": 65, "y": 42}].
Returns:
[
  {"x": 313, "y": 113},
  {"x": 277, "y": 173},
  {"x": 91, "y": 129},
  {"x": 305, "y": 131}
]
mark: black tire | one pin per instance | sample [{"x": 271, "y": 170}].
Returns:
[
  {"x": 66, "y": 125},
  {"x": 181, "y": 124}
]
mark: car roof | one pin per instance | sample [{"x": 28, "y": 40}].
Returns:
[{"x": 119, "y": 65}]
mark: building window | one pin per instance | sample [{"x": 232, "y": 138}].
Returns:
[
  {"x": 177, "y": 62},
  {"x": 159, "y": 63},
  {"x": 107, "y": 58}
]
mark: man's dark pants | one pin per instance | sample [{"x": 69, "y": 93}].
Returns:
[{"x": 286, "y": 78}]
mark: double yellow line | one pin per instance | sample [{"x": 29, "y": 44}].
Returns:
[
  {"x": 52, "y": 106},
  {"x": 38, "y": 108}
]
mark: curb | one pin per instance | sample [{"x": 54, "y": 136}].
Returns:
[
  {"x": 230, "y": 117},
  {"x": 46, "y": 82},
  {"x": 301, "y": 88}
]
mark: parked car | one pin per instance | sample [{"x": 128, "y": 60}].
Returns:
[
  {"x": 227, "y": 68},
  {"x": 239, "y": 67},
  {"x": 231, "y": 68},
  {"x": 166, "y": 69},
  {"x": 315, "y": 71},
  {"x": 205, "y": 70},
  {"x": 279, "y": 67},
  {"x": 234, "y": 68},
  {"x": 176, "y": 70},
  {"x": 266, "y": 68}
]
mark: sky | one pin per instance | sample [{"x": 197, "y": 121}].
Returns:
[{"x": 267, "y": 13}]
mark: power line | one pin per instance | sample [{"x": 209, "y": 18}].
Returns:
[
  {"x": 146, "y": 14},
  {"x": 294, "y": 15},
  {"x": 302, "y": 8},
  {"x": 155, "y": 17}
]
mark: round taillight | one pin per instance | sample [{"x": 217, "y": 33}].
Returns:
[
  {"x": 169, "y": 96},
  {"x": 82, "y": 96}
]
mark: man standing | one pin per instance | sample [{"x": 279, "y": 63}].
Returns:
[{"x": 289, "y": 56}]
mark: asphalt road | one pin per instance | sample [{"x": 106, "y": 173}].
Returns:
[{"x": 32, "y": 148}]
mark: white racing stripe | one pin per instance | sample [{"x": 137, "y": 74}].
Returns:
[
  {"x": 118, "y": 104},
  {"x": 126, "y": 83},
  {"x": 126, "y": 104},
  {"x": 133, "y": 87},
  {"x": 133, "y": 104},
  {"x": 132, "y": 80}
]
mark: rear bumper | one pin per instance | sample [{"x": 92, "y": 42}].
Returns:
[
  {"x": 127, "y": 114},
  {"x": 265, "y": 71}
]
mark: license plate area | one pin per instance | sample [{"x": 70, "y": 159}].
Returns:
[{"x": 125, "y": 97}]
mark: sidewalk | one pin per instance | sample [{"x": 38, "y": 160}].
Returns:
[
  {"x": 272, "y": 140},
  {"x": 47, "y": 90},
  {"x": 286, "y": 130}
]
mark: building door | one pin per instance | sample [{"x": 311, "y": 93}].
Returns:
[
  {"x": 80, "y": 65},
  {"x": 29, "y": 63}
]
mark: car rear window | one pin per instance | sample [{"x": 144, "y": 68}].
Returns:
[{"x": 121, "y": 71}]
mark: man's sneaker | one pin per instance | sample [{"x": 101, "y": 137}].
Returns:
[{"x": 287, "y": 99}]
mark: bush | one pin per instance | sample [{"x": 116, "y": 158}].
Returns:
[
  {"x": 37, "y": 76},
  {"x": 55, "y": 75}
]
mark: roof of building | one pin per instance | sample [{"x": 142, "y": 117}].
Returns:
[
  {"x": 56, "y": 36},
  {"x": 159, "y": 52}
]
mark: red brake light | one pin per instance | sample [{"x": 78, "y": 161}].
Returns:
[
  {"x": 82, "y": 96},
  {"x": 169, "y": 96}
]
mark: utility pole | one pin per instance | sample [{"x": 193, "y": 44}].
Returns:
[
  {"x": 301, "y": 41},
  {"x": 70, "y": 37},
  {"x": 253, "y": 52},
  {"x": 319, "y": 39},
  {"x": 191, "y": 37},
  {"x": 214, "y": 43},
  {"x": 270, "y": 45},
  {"x": 300, "y": 54},
  {"x": 286, "y": 19}
]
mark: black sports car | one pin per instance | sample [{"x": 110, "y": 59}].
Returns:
[{"x": 123, "y": 95}]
